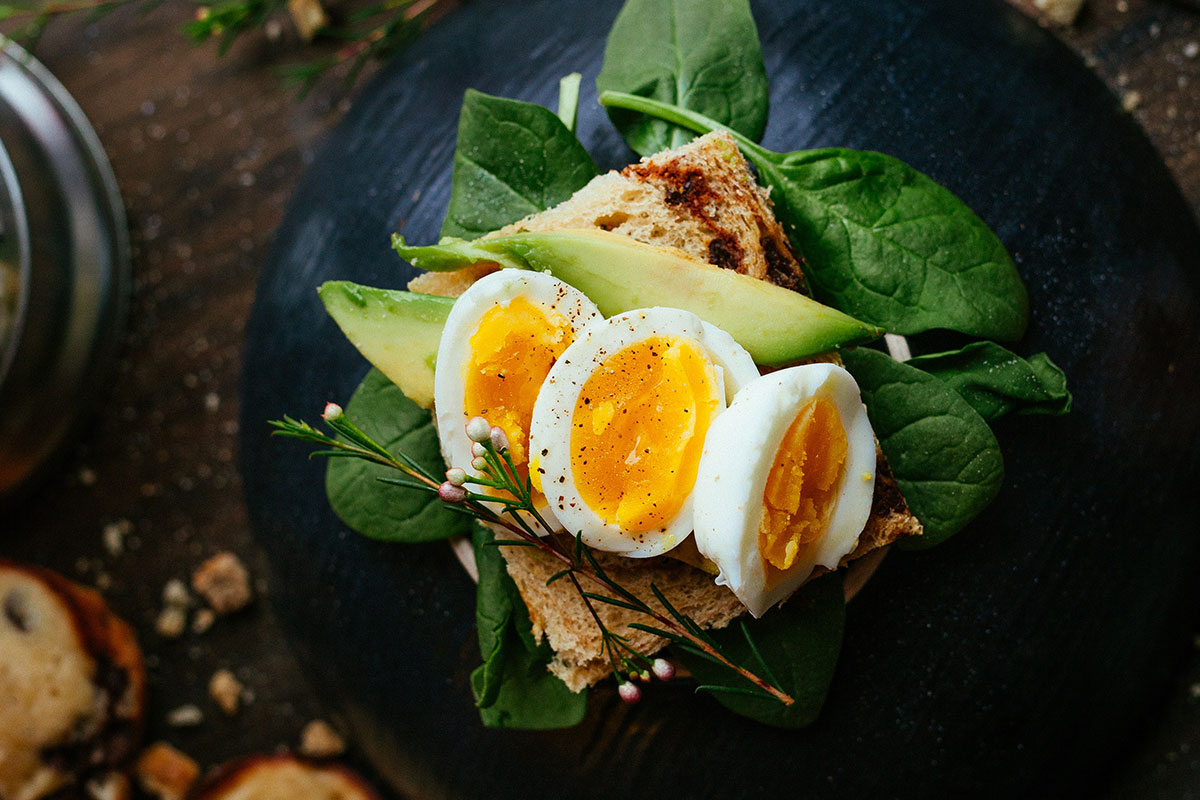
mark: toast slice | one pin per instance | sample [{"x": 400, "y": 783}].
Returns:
[{"x": 700, "y": 198}]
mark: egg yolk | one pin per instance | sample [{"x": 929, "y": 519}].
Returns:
[
  {"x": 802, "y": 485},
  {"x": 638, "y": 430},
  {"x": 512, "y": 350}
]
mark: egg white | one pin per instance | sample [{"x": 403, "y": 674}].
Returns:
[
  {"x": 454, "y": 350},
  {"x": 738, "y": 455},
  {"x": 550, "y": 431}
]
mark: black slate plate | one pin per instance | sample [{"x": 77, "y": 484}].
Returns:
[{"x": 1023, "y": 657}]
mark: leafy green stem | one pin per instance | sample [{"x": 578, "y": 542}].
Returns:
[{"x": 518, "y": 507}]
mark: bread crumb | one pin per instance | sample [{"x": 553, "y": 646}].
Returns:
[
  {"x": 226, "y": 691},
  {"x": 1063, "y": 12},
  {"x": 171, "y": 622},
  {"x": 1195, "y": 689},
  {"x": 109, "y": 786},
  {"x": 203, "y": 620},
  {"x": 176, "y": 594},
  {"x": 1191, "y": 50},
  {"x": 1131, "y": 100},
  {"x": 165, "y": 772},
  {"x": 187, "y": 716},
  {"x": 114, "y": 534},
  {"x": 319, "y": 740},
  {"x": 224, "y": 582}
]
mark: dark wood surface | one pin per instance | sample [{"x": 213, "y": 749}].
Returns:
[{"x": 206, "y": 150}]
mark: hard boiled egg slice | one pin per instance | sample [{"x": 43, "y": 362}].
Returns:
[
  {"x": 500, "y": 340},
  {"x": 785, "y": 482},
  {"x": 619, "y": 426}
]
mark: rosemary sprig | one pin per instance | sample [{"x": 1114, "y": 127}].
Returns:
[
  {"x": 374, "y": 33},
  {"x": 507, "y": 501}
]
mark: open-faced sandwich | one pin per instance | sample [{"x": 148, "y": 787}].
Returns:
[{"x": 649, "y": 385}]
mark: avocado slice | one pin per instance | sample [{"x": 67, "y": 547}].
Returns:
[
  {"x": 398, "y": 332},
  {"x": 775, "y": 325}
]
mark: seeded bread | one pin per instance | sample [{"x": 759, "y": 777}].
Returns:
[
  {"x": 702, "y": 199},
  {"x": 72, "y": 684},
  {"x": 699, "y": 198},
  {"x": 282, "y": 777}
]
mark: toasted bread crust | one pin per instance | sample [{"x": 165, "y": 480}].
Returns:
[
  {"x": 95, "y": 656},
  {"x": 701, "y": 199},
  {"x": 282, "y": 777}
]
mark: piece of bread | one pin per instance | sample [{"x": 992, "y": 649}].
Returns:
[
  {"x": 702, "y": 199},
  {"x": 282, "y": 777},
  {"x": 72, "y": 687},
  {"x": 699, "y": 198}
]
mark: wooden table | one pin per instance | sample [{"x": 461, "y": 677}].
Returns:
[{"x": 207, "y": 150}]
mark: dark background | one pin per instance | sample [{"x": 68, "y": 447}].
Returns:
[{"x": 207, "y": 150}]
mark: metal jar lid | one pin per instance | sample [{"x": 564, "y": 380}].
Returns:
[{"x": 64, "y": 268}]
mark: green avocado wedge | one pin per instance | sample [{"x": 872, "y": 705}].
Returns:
[
  {"x": 775, "y": 325},
  {"x": 398, "y": 332}
]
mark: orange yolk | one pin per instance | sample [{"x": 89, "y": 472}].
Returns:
[
  {"x": 512, "y": 350},
  {"x": 638, "y": 430},
  {"x": 801, "y": 487}
]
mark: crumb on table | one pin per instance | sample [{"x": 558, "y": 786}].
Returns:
[{"x": 223, "y": 582}]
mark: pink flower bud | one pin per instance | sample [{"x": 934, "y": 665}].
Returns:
[
  {"x": 332, "y": 412},
  {"x": 479, "y": 464},
  {"x": 449, "y": 493},
  {"x": 629, "y": 692},
  {"x": 478, "y": 450},
  {"x": 478, "y": 429},
  {"x": 663, "y": 670},
  {"x": 456, "y": 476},
  {"x": 499, "y": 438}
]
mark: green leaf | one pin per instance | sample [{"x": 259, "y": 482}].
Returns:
[
  {"x": 882, "y": 241},
  {"x": 513, "y": 159},
  {"x": 380, "y": 510},
  {"x": 798, "y": 643},
  {"x": 699, "y": 54},
  {"x": 942, "y": 453},
  {"x": 997, "y": 382},
  {"x": 513, "y": 688}
]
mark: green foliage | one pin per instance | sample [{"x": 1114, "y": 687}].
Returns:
[
  {"x": 796, "y": 645},
  {"x": 941, "y": 452},
  {"x": 883, "y": 242},
  {"x": 512, "y": 687},
  {"x": 997, "y": 382},
  {"x": 382, "y": 510},
  {"x": 699, "y": 54},
  {"x": 513, "y": 159}
]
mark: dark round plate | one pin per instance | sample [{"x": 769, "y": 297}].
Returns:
[{"x": 1027, "y": 655}]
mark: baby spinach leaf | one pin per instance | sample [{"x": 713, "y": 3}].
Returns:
[
  {"x": 381, "y": 510},
  {"x": 513, "y": 159},
  {"x": 698, "y": 54},
  {"x": 996, "y": 382},
  {"x": 883, "y": 242},
  {"x": 942, "y": 453},
  {"x": 799, "y": 643},
  {"x": 512, "y": 687}
]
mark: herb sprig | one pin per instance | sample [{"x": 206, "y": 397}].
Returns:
[
  {"x": 372, "y": 33},
  {"x": 507, "y": 502}
]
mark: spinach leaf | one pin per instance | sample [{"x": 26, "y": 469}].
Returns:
[
  {"x": 381, "y": 510},
  {"x": 699, "y": 54},
  {"x": 883, "y": 242},
  {"x": 512, "y": 687},
  {"x": 942, "y": 453},
  {"x": 799, "y": 641},
  {"x": 996, "y": 382},
  {"x": 513, "y": 159}
]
